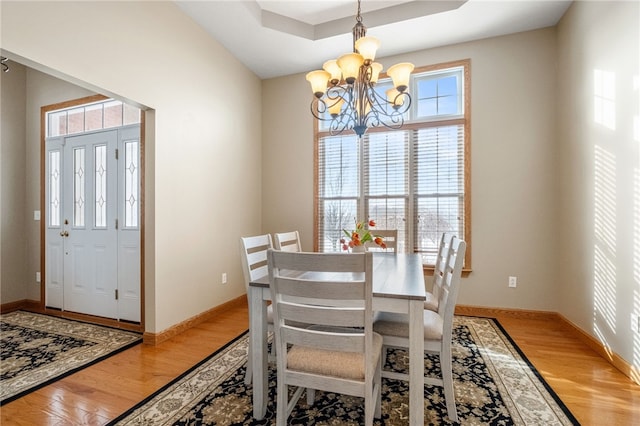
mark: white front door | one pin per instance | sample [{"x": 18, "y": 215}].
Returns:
[{"x": 85, "y": 198}]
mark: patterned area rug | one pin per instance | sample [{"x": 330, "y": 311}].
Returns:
[
  {"x": 39, "y": 349},
  {"x": 494, "y": 385}
]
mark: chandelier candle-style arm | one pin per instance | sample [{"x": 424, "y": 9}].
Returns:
[{"x": 344, "y": 90}]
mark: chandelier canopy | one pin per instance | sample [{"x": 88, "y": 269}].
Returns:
[{"x": 346, "y": 88}]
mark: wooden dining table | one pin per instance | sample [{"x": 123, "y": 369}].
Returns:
[{"x": 398, "y": 286}]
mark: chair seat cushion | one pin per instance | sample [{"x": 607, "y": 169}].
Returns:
[
  {"x": 394, "y": 324},
  {"x": 347, "y": 365},
  {"x": 431, "y": 303}
]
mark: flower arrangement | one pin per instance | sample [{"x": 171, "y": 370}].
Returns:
[{"x": 361, "y": 235}]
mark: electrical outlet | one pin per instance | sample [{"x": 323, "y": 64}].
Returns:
[
  {"x": 224, "y": 278},
  {"x": 37, "y": 277},
  {"x": 635, "y": 323},
  {"x": 513, "y": 282}
]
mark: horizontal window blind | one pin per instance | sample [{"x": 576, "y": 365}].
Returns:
[
  {"x": 386, "y": 181},
  {"x": 338, "y": 188},
  {"x": 438, "y": 166}
]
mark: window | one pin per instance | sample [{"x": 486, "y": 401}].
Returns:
[
  {"x": 415, "y": 179},
  {"x": 95, "y": 116}
]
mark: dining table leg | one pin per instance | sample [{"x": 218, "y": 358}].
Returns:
[
  {"x": 258, "y": 336},
  {"x": 416, "y": 363}
]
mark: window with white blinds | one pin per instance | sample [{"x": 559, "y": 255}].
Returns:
[{"x": 414, "y": 179}]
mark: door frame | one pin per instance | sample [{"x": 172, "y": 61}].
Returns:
[{"x": 111, "y": 322}]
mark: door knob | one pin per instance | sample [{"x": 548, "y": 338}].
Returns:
[{"x": 64, "y": 234}]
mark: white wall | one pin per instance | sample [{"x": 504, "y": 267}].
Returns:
[
  {"x": 513, "y": 165},
  {"x": 600, "y": 173},
  {"x": 200, "y": 198}
]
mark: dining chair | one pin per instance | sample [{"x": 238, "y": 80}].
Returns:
[
  {"x": 438, "y": 327},
  {"x": 433, "y": 296},
  {"x": 390, "y": 237},
  {"x": 253, "y": 254},
  {"x": 287, "y": 241},
  {"x": 335, "y": 349}
]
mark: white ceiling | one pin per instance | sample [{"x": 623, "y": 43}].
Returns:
[{"x": 275, "y": 38}]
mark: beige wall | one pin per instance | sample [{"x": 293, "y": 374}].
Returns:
[
  {"x": 287, "y": 159},
  {"x": 199, "y": 199},
  {"x": 211, "y": 177},
  {"x": 13, "y": 247},
  {"x": 513, "y": 165},
  {"x": 600, "y": 175}
]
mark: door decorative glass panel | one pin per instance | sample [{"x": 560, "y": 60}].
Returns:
[
  {"x": 78, "y": 187},
  {"x": 100, "y": 186},
  {"x": 131, "y": 197},
  {"x": 54, "y": 188}
]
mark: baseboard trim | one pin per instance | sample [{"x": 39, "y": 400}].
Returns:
[
  {"x": 5, "y": 308},
  {"x": 605, "y": 352},
  {"x": 155, "y": 339},
  {"x": 598, "y": 347},
  {"x": 481, "y": 311},
  {"x": 24, "y": 304}
]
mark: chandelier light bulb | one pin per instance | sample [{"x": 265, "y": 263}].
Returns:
[
  {"x": 332, "y": 68},
  {"x": 350, "y": 66},
  {"x": 318, "y": 80},
  {"x": 376, "y": 69},
  {"x": 335, "y": 108},
  {"x": 394, "y": 98},
  {"x": 367, "y": 47},
  {"x": 400, "y": 74}
]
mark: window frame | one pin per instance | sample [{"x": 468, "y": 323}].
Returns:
[{"x": 413, "y": 124}]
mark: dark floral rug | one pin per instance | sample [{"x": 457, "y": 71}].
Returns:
[
  {"x": 39, "y": 349},
  {"x": 494, "y": 385}
]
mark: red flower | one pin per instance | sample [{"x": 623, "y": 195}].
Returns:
[{"x": 361, "y": 235}]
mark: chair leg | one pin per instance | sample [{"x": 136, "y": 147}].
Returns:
[
  {"x": 249, "y": 373},
  {"x": 369, "y": 407},
  {"x": 377, "y": 384},
  {"x": 383, "y": 356},
  {"x": 282, "y": 402},
  {"x": 447, "y": 378},
  {"x": 311, "y": 396},
  {"x": 272, "y": 352}
]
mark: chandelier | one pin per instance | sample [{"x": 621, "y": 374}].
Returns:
[{"x": 345, "y": 89}]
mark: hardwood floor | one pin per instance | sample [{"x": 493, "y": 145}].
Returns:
[{"x": 595, "y": 392}]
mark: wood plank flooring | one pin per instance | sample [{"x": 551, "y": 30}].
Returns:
[{"x": 595, "y": 392}]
